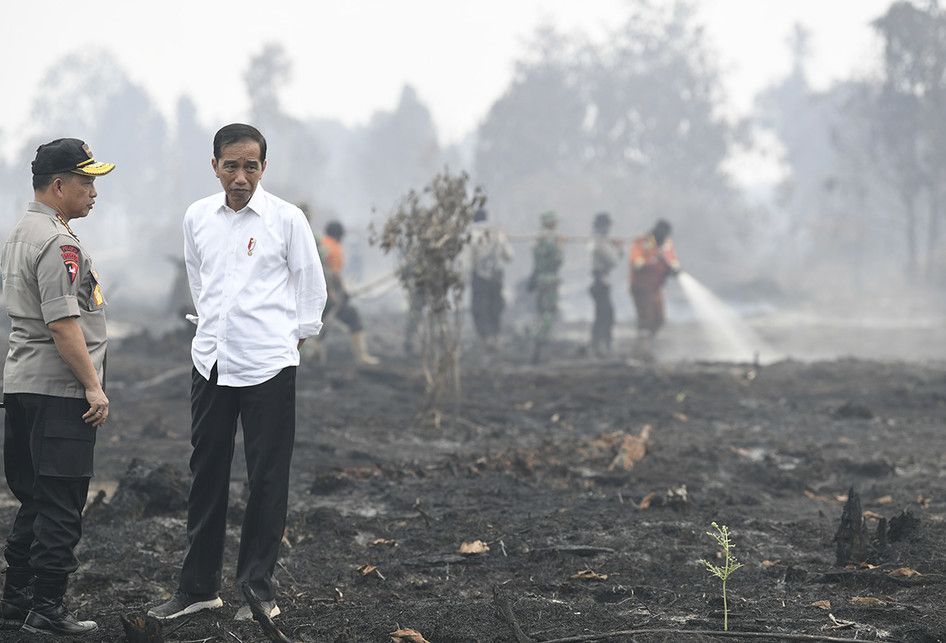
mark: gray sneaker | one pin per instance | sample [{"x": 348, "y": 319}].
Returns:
[
  {"x": 245, "y": 613},
  {"x": 182, "y": 604}
]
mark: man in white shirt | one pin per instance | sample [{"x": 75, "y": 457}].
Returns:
[{"x": 257, "y": 283}]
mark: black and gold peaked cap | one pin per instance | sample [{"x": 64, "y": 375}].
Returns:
[{"x": 68, "y": 155}]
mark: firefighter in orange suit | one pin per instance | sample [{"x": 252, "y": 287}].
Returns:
[{"x": 652, "y": 261}]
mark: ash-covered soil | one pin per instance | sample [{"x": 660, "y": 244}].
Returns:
[{"x": 533, "y": 463}]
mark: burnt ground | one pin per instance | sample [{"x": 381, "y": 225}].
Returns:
[{"x": 524, "y": 465}]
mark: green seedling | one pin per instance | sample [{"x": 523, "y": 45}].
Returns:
[{"x": 730, "y": 564}]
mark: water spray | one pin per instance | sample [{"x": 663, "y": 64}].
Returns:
[{"x": 730, "y": 338}]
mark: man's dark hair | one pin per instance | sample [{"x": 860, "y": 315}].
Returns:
[
  {"x": 43, "y": 181},
  {"x": 662, "y": 230},
  {"x": 236, "y": 132},
  {"x": 602, "y": 222},
  {"x": 335, "y": 230}
]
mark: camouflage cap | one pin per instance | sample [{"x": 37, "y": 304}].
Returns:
[{"x": 549, "y": 219}]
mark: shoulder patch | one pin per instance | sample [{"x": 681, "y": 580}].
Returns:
[{"x": 70, "y": 257}]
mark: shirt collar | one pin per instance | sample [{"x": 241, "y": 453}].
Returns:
[
  {"x": 257, "y": 202},
  {"x": 42, "y": 208}
]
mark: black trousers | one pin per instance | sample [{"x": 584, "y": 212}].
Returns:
[
  {"x": 347, "y": 314},
  {"x": 47, "y": 459},
  {"x": 268, "y": 414},
  {"x": 487, "y": 304},
  {"x": 601, "y": 329}
]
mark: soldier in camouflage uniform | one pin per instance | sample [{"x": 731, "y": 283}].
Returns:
[{"x": 545, "y": 280}]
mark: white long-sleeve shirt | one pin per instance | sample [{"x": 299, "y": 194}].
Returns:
[{"x": 257, "y": 283}]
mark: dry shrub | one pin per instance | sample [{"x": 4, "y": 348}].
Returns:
[{"x": 429, "y": 231}]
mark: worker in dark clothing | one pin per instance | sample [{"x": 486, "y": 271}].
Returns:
[
  {"x": 489, "y": 252},
  {"x": 604, "y": 257},
  {"x": 339, "y": 304}
]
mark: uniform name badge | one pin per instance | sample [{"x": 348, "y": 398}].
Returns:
[{"x": 97, "y": 297}]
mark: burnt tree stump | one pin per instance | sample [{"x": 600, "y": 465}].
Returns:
[
  {"x": 147, "y": 489},
  {"x": 906, "y": 526},
  {"x": 141, "y": 629},
  {"x": 851, "y": 537}
]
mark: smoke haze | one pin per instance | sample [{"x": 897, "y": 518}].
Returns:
[{"x": 632, "y": 116}]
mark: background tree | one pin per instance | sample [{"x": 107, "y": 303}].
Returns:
[
  {"x": 191, "y": 146},
  {"x": 834, "y": 203},
  {"x": 864, "y": 163},
  {"x": 536, "y": 126},
  {"x": 296, "y": 154},
  {"x": 89, "y": 95},
  {"x": 399, "y": 149},
  {"x": 628, "y": 124},
  {"x": 915, "y": 92}
]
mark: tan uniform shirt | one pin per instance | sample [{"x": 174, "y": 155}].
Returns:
[
  {"x": 48, "y": 276},
  {"x": 489, "y": 252}
]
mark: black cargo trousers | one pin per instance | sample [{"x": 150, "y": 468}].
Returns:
[
  {"x": 47, "y": 459},
  {"x": 602, "y": 328}
]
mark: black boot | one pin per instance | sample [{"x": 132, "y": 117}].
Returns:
[
  {"x": 17, "y": 596},
  {"x": 49, "y": 615}
]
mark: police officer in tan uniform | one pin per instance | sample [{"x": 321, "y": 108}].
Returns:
[{"x": 52, "y": 386}]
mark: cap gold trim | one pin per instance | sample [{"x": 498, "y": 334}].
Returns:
[{"x": 94, "y": 169}]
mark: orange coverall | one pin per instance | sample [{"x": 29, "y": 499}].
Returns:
[{"x": 650, "y": 266}]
